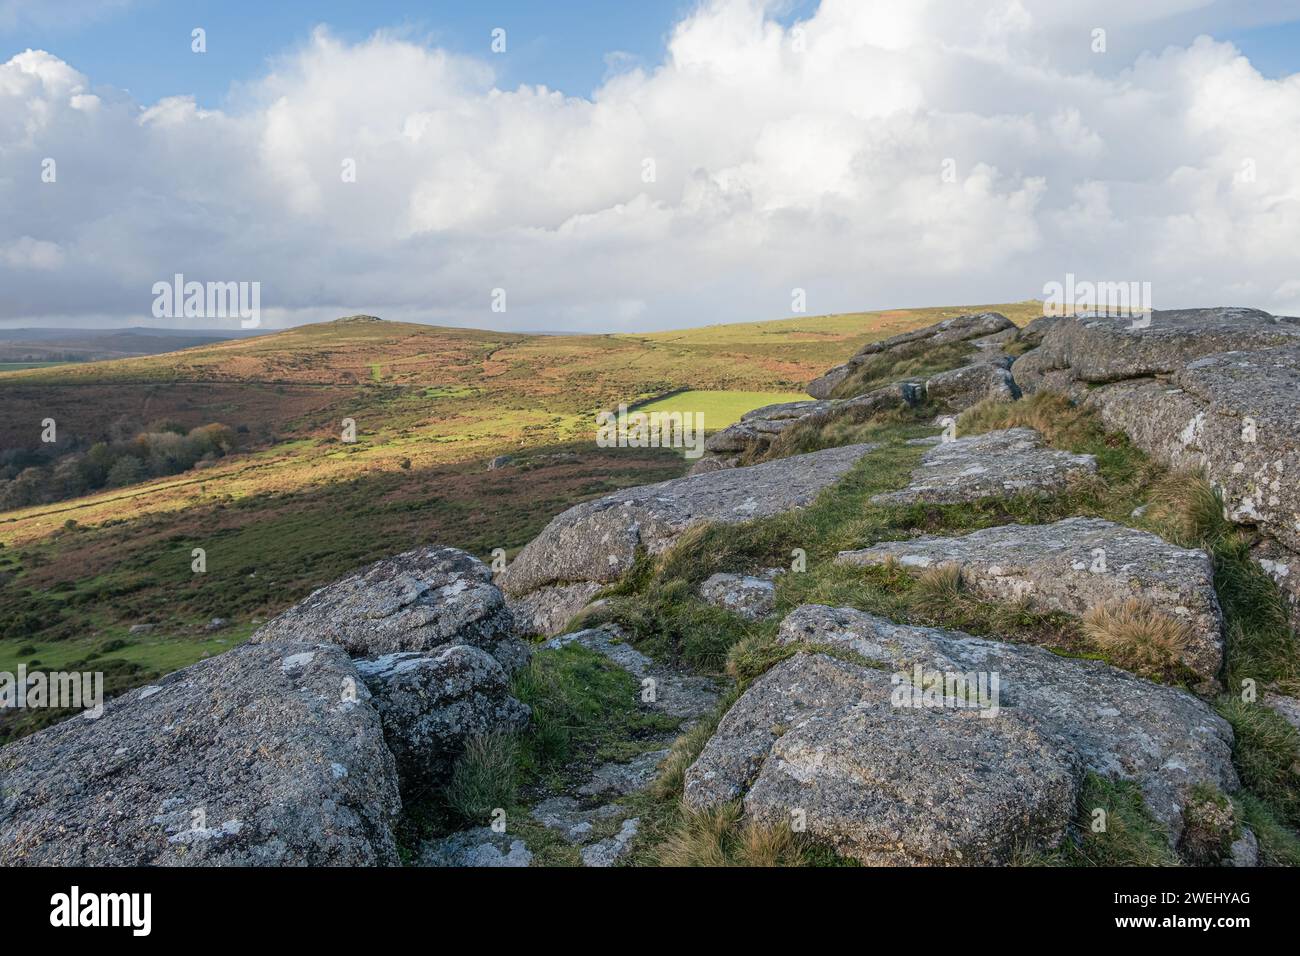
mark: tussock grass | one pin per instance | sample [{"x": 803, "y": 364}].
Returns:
[
  {"x": 484, "y": 777},
  {"x": 937, "y": 590},
  {"x": 1188, "y": 511},
  {"x": 1136, "y": 636},
  {"x": 839, "y": 427},
  {"x": 1061, "y": 422},
  {"x": 721, "y": 836}
]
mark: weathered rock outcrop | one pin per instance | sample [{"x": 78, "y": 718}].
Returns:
[
  {"x": 1100, "y": 350},
  {"x": 1237, "y": 416},
  {"x": 431, "y": 704},
  {"x": 889, "y": 781},
  {"x": 958, "y": 329},
  {"x": 281, "y": 751},
  {"x": 1075, "y": 565},
  {"x": 969, "y": 385},
  {"x": 422, "y": 600},
  {"x": 951, "y": 391},
  {"x": 995, "y": 464},
  {"x": 267, "y": 755},
  {"x": 597, "y": 542},
  {"x": 816, "y": 740}
]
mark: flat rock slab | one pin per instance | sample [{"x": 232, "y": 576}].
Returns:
[
  {"x": 816, "y": 740},
  {"x": 620, "y": 779},
  {"x": 997, "y": 464},
  {"x": 574, "y": 822},
  {"x": 685, "y": 696},
  {"x": 598, "y": 541},
  {"x": 267, "y": 755},
  {"x": 478, "y": 847},
  {"x": 1117, "y": 725},
  {"x": 751, "y": 596},
  {"x": 418, "y": 601},
  {"x": 1237, "y": 416},
  {"x": 1073, "y": 566},
  {"x": 609, "y": 851}
]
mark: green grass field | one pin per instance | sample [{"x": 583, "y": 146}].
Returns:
[{"x": 721, "y": 408}]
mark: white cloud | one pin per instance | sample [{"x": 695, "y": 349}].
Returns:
[{"x": 777, "y": 164}]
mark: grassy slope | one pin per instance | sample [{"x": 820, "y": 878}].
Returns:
[{"x": 303, "y": 508}]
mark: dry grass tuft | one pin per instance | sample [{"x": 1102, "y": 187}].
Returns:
[
  {"x": 721, "y": 836},
  {"x": 1188, "y": 510},
  {"x": 1136, "y": 636},
  {"x": 1053, "y": 415},
  {"x": 937, "y": 590}
]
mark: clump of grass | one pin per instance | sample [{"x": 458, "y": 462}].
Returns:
[
  {"x": 1209, "y": 827},
  {"x": 1188, "y": 511},
  {"x": 484, "y": 777},
  {"x": 937, "y": 590},
  {"x": 1135, "y": 635},
  {"x": 721, "y": 836},
  {"x": 1052, "y": 414},
  {"x": 841, "y": 426},
  {"x": 1111, "y": 827},
  {"x": 1267, "y": 755}
]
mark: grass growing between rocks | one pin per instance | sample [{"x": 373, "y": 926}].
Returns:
[
  {"x": 1111, "y": 827},
  {"x": 917, "y": 361},
  {"x": 657, "y": 602},
  {"x": 585, "y": 713},
  {"x": 1262, "y": 654},
  {"x": 658, "y": 607}
]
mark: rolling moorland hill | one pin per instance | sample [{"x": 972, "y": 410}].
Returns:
[{"x": 107, "y": 577}]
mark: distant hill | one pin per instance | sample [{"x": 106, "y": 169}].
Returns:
[{"x": 89, "y": 345}]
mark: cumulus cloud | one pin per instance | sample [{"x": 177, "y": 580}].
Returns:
[{"x": 879, "y": 153}]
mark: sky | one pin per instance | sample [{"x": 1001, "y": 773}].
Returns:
[{"x": 615, "y": 167}]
